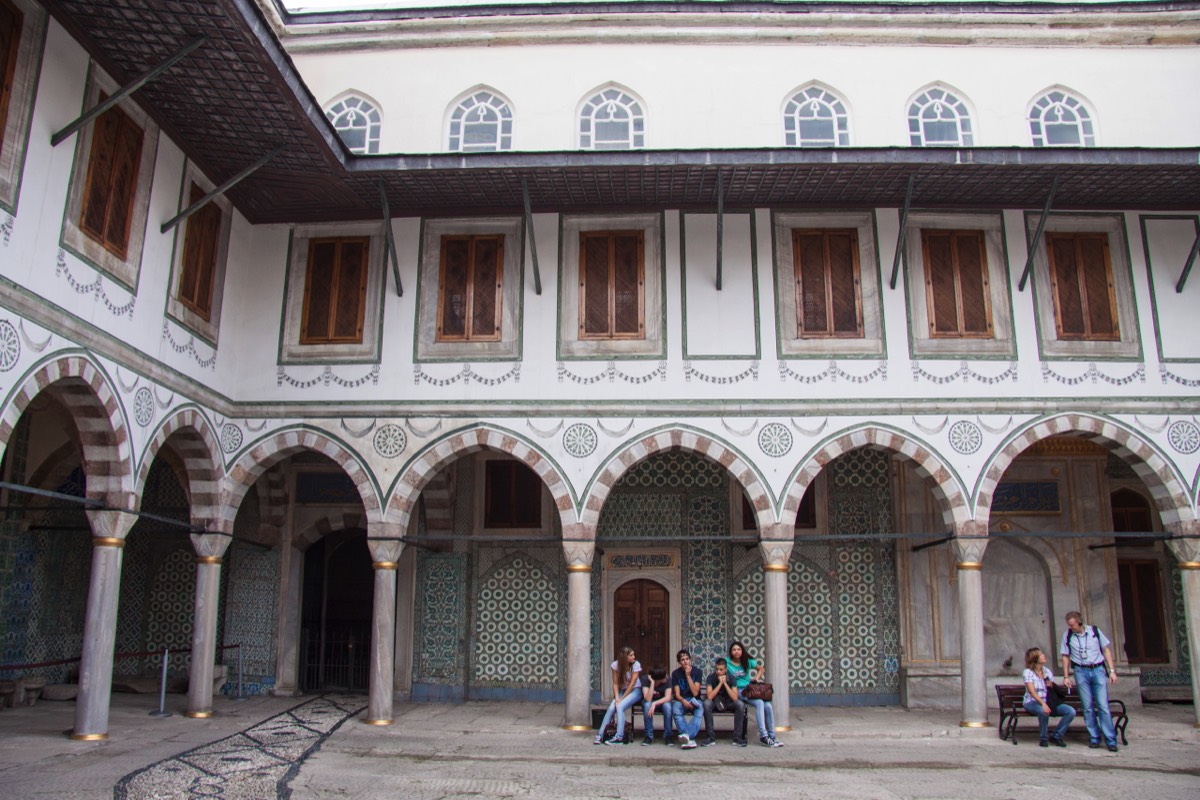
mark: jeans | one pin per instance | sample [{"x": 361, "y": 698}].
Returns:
[
  {"x": 723, "y": 703},
  {"x": 1065, "y": 711},
  {"x": 1093, "y": 692},
  {"x": 765, "y": 714},
  {"x": 648, "y": 719},
  {"x": 692, "y": 729},
  {"x": 620, "y": 709}
]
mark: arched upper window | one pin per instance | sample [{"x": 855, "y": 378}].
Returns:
[
  {"x": 481, "y": 123},
  {"x": 938, "y": 118},
  {"x": 611, "y": 120},
  {"x": 358, "y": 122},
  {"x": 1057, "y": 119},
  {"x": 815, "y": 117}
]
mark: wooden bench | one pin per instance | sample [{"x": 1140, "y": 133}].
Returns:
[
  {"x": 634, "y": 715},
  {"x": 1012, "y": 709}
]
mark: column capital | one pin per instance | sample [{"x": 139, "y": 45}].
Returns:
[
  {"x": 579, "y": 554},
  {"x": 111, "y": 523},
  {"x": 776, "y": 553},
  {"x": 1187, "y": 551},
  {"x": 968, "y": 551},
  {"x": 211, "y": 545},
  {"x": 384, "y": 551}
]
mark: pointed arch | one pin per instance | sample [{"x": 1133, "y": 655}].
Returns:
[
  {"x": 950, "y": 494},
  {"x": 1167, "y": 488},
  {"x": 480, "y": 120},
  {"x": 940, "y": 116},
  {"x": 278, "y": 446},
  {"x": 191, "y": 436},
  {"x": 678, "y": 438},
  {"x": 428, "y": 462},
  {"x": 358, "y": 120},
  {"x": 815, "y": 115},
  {"x": 1060, "y": 117},
  {"x": 79, "y": 384},
  {"x": 611, "y": 117}
]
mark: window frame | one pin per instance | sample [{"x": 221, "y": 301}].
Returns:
[
  {"x": 939, "y": 94},
  {"x": 1056, "y": 292},
  {"x": 370, "y": 111},
  {"x": 456, "y": 136},
  {"x": 22, "y": 89},
  {"x": 804, "y": 332},
  {"x": 590, "y": 105},
  {"x": 124, "y": 269},
  {"x": 178, "y": 309},
  {"x": 815, "y": 93},
  {"x": 1036, "y": 118},
  {"x": 611, "y": 334},
  {"x": 469, "y": 289},
  {"x": 959, "y": 331},
  {"x": 547, "y": 518}
]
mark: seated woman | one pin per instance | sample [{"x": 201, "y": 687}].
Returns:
[
  {"x": 1038, "y": 680},
  {"x": 656, "y": 693},
  {"x": 743, "y": 669},
  {"x": 626, "y": 672}
]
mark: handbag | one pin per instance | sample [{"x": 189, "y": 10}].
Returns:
[
  {"x": 758, "y": 691},
  {"x": 1054, "y": 699}
]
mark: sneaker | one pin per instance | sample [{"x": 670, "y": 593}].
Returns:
[
  {"x": 1112, "y": 748},
  {"x": 739, "y": 742},
  {"x": 669, "y": 741},
  {"x": 775, "y": 742},
  {"x": 1043, "y": 743},
  {"x": 647, "y": 741},
  {"x": 598, "y": 740},
  {"x": 765, "y": 741},
  {"x": 1057, "y": 742},
  {"x": 615, "y": 740},
  {"x": 688, "y": 744},
  {"x": 709, "y": 741},
  {"x": 684, "y": 741},
  {"x": 1094, "y": 745}
]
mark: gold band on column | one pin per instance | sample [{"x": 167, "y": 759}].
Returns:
[
  {"x": 208, "y": 559},
  {"x": 107, "y": 541},
  {"x": 974, "y": 725},
  {"x": 379, "y": 722},
  {"x": 1189, "y": 564},
  {"x": 579, "y": 568},
  {"x": 577, "y": 727},
  {"x": 969, "y": 565},
  {"x": 775, "y": 568},
  {"x": 384, "y": 565},
  {"x": 89, "y": 737},
  {"x": 198, "y": 714}
]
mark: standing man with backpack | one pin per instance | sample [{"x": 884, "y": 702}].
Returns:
[{"x": 1086, "y": 652}]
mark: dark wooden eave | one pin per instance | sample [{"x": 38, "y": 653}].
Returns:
[{"x": 239, "y": 96}]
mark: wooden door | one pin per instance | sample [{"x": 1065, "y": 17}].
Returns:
[{"x": 641, "y": 613}]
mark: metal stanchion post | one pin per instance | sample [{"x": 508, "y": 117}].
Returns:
[{"x": 162, "y": 687}]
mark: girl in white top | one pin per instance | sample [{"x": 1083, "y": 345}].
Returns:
[
  {"x": 1037, "y": 677},
  {"x": 626, "y": 677}
]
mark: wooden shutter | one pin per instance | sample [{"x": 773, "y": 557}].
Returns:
[
  {"x": 1085, "y": 303},
  {"x": 828, "y": 289},
  {"x": 957, "y": 287},
  {"x": 112, "y": 177},
  {"x": 471, "y": 288},
  {"x": 10, "y": 41},
  {"x": 335, "y": 291},
  {"x": 611, "y": 285},
  {"x": 201, "y": 238}
]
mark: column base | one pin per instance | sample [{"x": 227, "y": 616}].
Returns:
[
  {"x": 89, "y": 737},
  {"x": 974, "y": 724},
  {"x": 198, "y": 714},
  {"x": 577, "y": 727},
  {"x": 378, "y": 721}
]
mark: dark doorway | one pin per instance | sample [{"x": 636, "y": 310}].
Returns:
[
  {"x": 641, "y": 612},
  {"x": 1140, "y": 581},
  {"x": 335, "y": 637}
]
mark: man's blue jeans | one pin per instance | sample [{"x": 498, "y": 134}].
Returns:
[
  {"x": 692, "y": 730},
  {"x": 648, "y": 719},
  {"x": 1093, "y": 693}
]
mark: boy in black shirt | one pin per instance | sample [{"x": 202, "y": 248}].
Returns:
[{"x": 723, "y": 696}]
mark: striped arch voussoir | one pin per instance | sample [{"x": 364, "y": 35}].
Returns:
[
  {"x": 328, "y": 524},
  {"x": 418, "y": 475},
  {"x": 192, "y": 438},
  {"x": 676, "y": 439},
  {"x": 1169, "y": 493},
  {"x": 103, "y": 437}
]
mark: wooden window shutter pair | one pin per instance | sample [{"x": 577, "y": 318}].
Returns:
[
  {"x": 957, "y": 287},
  {"x": 828, "y": 286},
  {"x": 1085, "y": 301},
  {"x": 612, "y": 285},
  {"x": 200, "y": 240},
  {"x": 335, "y": 291},
  {"x": 112, "y": 179},
  {"x": 471, "y": 288},
  {"x": 11, "y": 21}
]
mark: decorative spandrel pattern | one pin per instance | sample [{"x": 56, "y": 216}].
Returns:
[
  {"x": 1182, "y": 674},
  {"x": 518, "y": 626},
  {"x": 441, "y": 610},
  {"x": 250, "y": 609}
]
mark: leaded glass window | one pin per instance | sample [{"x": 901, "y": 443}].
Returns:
[
  {"x": 357, "y": 122},
  {"x": 815, "y": 117},
  {"x": 611, "y": 120},
  {"x": 481, "y": 123},
  {"x": 1056, "y": 119},
  {"x": 939, "y": 118}
]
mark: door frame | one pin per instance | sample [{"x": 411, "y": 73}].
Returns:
[{"x": 620, "y": 566}]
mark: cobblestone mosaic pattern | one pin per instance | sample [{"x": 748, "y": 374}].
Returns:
[{"x": 257, "y": 763}]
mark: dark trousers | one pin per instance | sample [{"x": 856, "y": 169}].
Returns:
[{"x": 723, "y": 703}]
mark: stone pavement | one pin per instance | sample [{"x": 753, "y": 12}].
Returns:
[{"x": 316, "y": 747}]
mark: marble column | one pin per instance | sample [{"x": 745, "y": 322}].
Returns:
[
  {"x": 210, "y": 548},
  {"x": 968, "y": 552},
  {"x": 109, "y": 529},
  {"x": 1187, "y": 551},
  {"x": 383, "y": 540},
  {"x": 579, "y": 547},
  {"x": 776, "y": 553}
]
